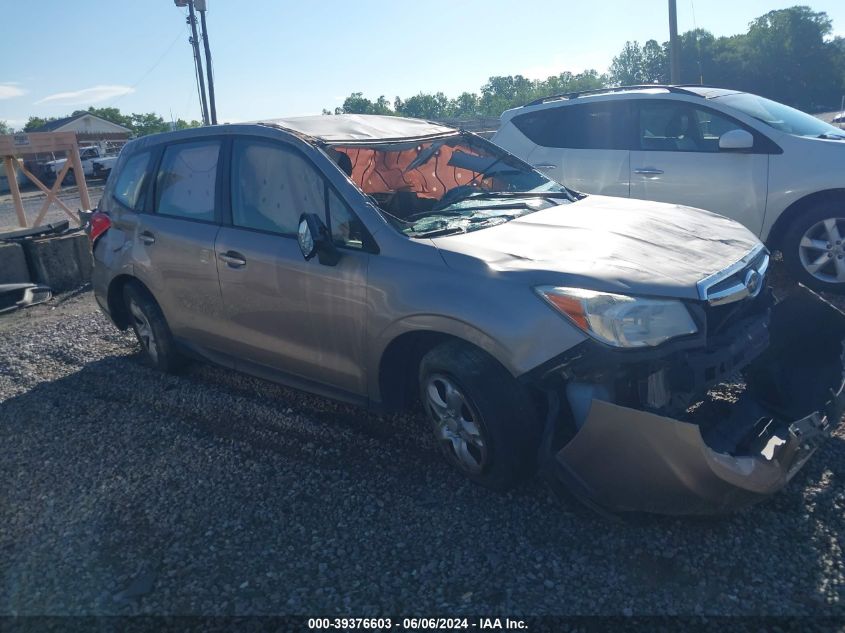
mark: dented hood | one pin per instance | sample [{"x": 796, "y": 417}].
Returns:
[{"x": 610, "y": 244}]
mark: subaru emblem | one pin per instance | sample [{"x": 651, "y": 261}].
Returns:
[{"x": 752, "y": 282}]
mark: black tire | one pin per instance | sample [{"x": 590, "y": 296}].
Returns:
[
  {"x": 145, "y": 316},
  {"x": 809, "y": 220},
  {"x": 498, "y": 405}
]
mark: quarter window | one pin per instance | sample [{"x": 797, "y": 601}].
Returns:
[
  {"x": 272, "y": 186},
  {"x": 131, "y": 181},
  {"x": 185, "y": 185}
]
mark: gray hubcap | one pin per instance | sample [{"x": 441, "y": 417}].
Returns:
[
  {"x": 455, "y": 423},
  {"x": 822, "y": 251},
  {"x": 143, "y": 329}
]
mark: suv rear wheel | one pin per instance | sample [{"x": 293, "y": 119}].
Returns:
[
  {"x": 151, "y": 329},
  {"x": 814, "y": 247},
  {"x": 483, "y": 419}
]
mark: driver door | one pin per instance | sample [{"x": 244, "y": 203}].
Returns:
[
  {"x": 678, "y": 160},
  {"x": 301, "y": 318}
]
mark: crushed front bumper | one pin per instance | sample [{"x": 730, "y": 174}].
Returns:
[{"x": 627, "y": 459}]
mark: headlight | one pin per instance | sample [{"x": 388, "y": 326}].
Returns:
[{"x": 620, "y": 320}]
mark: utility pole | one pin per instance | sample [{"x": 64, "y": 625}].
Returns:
[
  {"x": 674, "y": 48},
  {"x": 192, "y": 20},
  {"x": 201, "y": 7}
]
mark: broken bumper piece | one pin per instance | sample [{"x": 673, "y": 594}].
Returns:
[
  {"x": 16, "y": 296},
  {"x": 626, "y": 459}
]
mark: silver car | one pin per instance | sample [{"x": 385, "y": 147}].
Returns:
[{"x": 630, "y": 350}]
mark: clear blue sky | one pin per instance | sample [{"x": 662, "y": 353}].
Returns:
[{"x": 289, "y": 57}]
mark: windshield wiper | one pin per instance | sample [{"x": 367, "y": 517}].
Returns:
[
  {"x": 475, "y": 223},
  {"x": 521, "y": 194},
  {"x": 465, "y": 211},
  {"x": 832, "y": 137},
  {"x": 439, "y": 232},
  {"x": 480, "y": 195}
]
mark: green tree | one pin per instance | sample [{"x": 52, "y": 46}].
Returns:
[
  {"x": 5, "y": 128},
  {"x": 655, "y": 63},
  {"x": 790, "y": 60},
  {"x": 181, "y": 124},
  {"x": 426, "y": 106},
  {"x": 35, "y": 122},
  {"x": 357, "y": 103},
  {"x": 148, "y": 123},
  {"x": 628, "y": 67},
  {"x": 464, "y": 106}
]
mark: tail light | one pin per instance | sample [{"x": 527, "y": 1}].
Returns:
[{"x": 98, "y": 225}]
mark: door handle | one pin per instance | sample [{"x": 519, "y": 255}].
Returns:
[
  {"x": 545, "y": 166},
  {"x": 648, "y": 171},
  {"x": 147, "y": 238},
  {"x": 232, "y": 259}
]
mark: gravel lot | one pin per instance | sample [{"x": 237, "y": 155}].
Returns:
[{"x": 125, "y": 491}]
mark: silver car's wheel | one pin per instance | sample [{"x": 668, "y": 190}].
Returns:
[
  {"x": 456, "y": 423},
  {"x": 143, "y": 329},
  {"x": 822, "y": 251}
]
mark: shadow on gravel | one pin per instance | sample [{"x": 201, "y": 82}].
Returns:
[{"x": 127, "y": 491}]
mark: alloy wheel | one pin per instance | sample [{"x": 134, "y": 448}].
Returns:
[
  {"x": 456, "y": 423},
  {"x": 144, "y": 330},
  {"x": 822, "y": 251}
]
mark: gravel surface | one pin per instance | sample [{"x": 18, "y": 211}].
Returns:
[{"x": 125, "y": 491}]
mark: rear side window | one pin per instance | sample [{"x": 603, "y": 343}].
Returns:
[
  {"x": 186, "y": 180},
  {"x": 603, "y": 125},
  {"x": 131, "y": 181},
  {"x": 272, "y": 186}
]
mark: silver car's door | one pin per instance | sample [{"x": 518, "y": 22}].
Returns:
[
  {"x": 295, "y": 316},
  {"x": 173, "y": 241},
  {"x": 678, "y": 160}
]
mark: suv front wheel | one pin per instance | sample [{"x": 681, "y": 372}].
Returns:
[
  {"x": 814, "y": 247},
  {"x": 483, "y": 419}
]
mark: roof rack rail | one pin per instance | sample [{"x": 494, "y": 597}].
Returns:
[{"x": 575, "y": 95}]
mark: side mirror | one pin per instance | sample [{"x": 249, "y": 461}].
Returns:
[
  {"x": 736, "y": 140},
  {"x": 314, "y": 239}
]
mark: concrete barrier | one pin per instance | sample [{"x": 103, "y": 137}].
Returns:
[
  {"x": 13, "y": 268},
  {"x": 63, "y": 263}
]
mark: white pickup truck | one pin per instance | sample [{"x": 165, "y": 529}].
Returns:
[{"x": 95, "y": 164}]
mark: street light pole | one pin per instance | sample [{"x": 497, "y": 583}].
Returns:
[
  {"x": 674, "y": 48},
  {"x": 201, "y": 7}
]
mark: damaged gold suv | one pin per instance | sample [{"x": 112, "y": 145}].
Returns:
[{"x": 632, "y": 349}]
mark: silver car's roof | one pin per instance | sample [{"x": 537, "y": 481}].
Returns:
[{"x": 357, "y": 128}]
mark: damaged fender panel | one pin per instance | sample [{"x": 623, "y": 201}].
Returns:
[{"x": 626, "y": 459}]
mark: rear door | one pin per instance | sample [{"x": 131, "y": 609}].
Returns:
[
  {"x": 298, "y": 317},
  {"x": 174, "y": 240},
  {"x": 585, "y": 146},
  {"x": 678, "y": 160}
]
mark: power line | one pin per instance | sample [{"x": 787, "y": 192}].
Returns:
[
  {"x": 150, "y": 69},
  {"x": 697, "y": 43}
]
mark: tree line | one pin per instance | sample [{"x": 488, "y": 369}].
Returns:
[{"x": 787, "y": 55}]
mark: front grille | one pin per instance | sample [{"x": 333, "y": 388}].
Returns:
[{"x": 745, "y": 278}]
